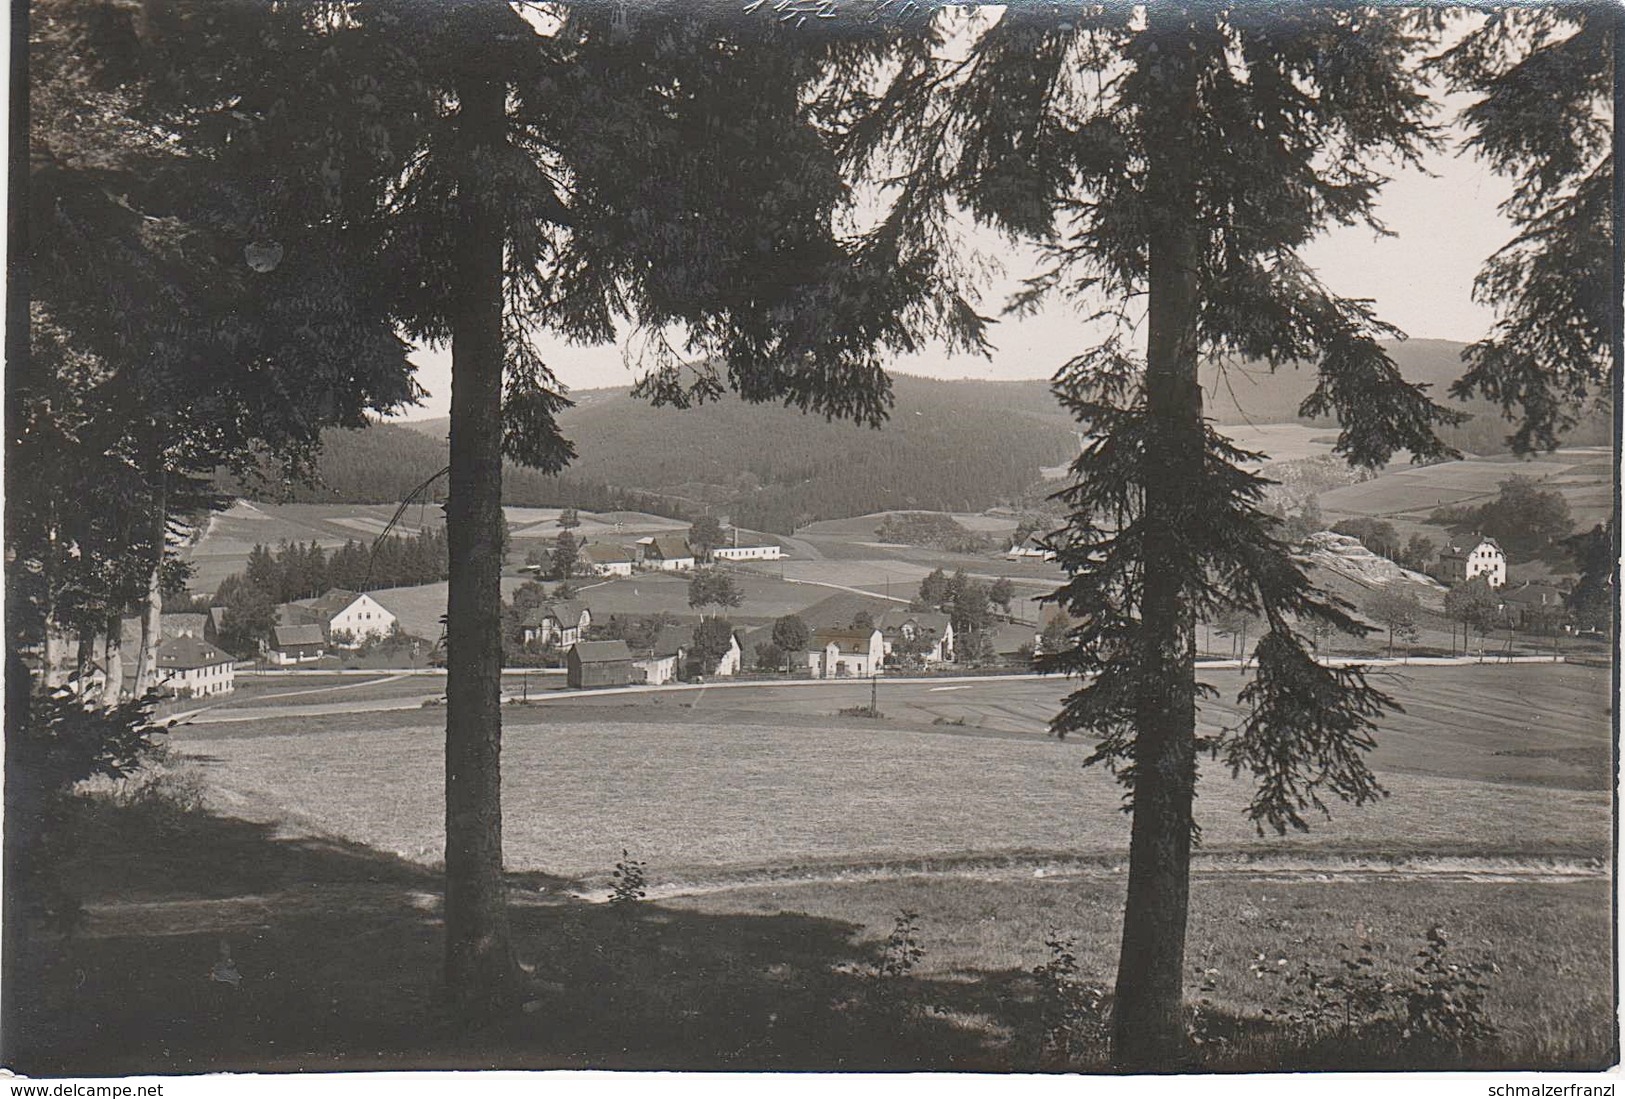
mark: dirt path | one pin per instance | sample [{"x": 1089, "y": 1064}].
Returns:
[{"x": 1329, "y": 868}]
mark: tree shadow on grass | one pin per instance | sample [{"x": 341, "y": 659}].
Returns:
[{"x": 207, "y": 943}]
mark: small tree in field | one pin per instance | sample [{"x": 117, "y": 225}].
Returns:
[
  {"x": 1475, "y": 605},
  {"x": 569, "y": 519},
  {"x": 565, "y": 555},
  {"x": 713, "y": 588},
  {"x": 704, "y": 536},
  {"x": 712, "y": 640},
  {"x": 1398, "y": 610}
]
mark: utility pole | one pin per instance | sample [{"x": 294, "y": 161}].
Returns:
[{"x": 874, "y": 692}]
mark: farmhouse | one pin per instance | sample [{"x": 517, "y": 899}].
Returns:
[
  {"x": 347, "y": 618},
  {"x": 837, "y": 653},
  {"x": 1030, "y": 547},
  {"x": 603, "y": 559},
  {"x": 214, "y": 624},
  {"x": 664, "y": 657},
  {"x": 561, "y": 623},
  {"x": 728, "y": 664},
  {"x": 926, "y": 636},
  {"x": 193, "y": 668},
  {"x": 1533, "y": 603},
  {"x": 1460, "y": 562},
  {"x": 598, "y": 664},
  {"x": 296, "y": 645},
  {"x": 666, "y": 554},
  {"x": 748, "y": 553}
]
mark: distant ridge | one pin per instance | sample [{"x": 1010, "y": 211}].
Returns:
[{"x": 962, "y": 445}]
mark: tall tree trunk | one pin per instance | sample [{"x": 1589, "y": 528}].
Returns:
[
  {"x": 1149, "y": 1025},
  {"x": 113, "y": 660},
  {"x": 146, "y": 659},
  {"x": 84, "y": 656},
  {"x": 480, "y": 966}
]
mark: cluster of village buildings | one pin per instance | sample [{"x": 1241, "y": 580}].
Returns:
[{"x": 192, "y": 664}]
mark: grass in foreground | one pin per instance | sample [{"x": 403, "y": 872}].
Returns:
[{"x": 210, "y": 944}]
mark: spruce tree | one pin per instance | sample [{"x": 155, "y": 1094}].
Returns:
[{"x": 1171, "y": 162}]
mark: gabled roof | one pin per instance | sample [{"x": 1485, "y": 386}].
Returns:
[
  {"x": 670, "y": 549},
  {"x": 934, "y": 621},
  {"x": 600, "y": 652},
  {"x": 287, "y": 637},
  {"x": 604, "y": 553},
  {"x": 217, "y": 615},
  {"x": 846, "y": 641},
  {"x": 1535, "y": 592},
  {"x": 567, "y": 612},
  {"x": 330, "y": 604},
  {"x": 1462, "y": 549},
  {"x": 189, "y": 652}
]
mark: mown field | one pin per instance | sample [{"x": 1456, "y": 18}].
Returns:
[
  {"x": 1501, "y": 762},
  {"x": 1584, "y": 475}
]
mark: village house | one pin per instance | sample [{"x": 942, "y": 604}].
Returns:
[
  {"x": 598, "y": 664},
  {"x": 560, "y": 623},
  {"x": 1533, "y": 603},
  {"x": 1460, "y": 562},
  {"x": 347, "y": 618},
  {"x": 296, "y": 645},
  {"x": 193, "y": 668},
  {"x": 604, "y": 559},
  {"x": 838, "y": 653},
  {"x": 925, "y": 635},
  {"x": 666, "y": 554},
  {"x": 748, "y": 553},
  {"x": 1030, "y": 547},
  {"x": 214, "y": 625},
  {"x": 664, "y": 658},
  {"x": 728, "y": 664}
]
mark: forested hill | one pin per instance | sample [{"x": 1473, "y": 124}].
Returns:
[{"x": 949, "y": 445}]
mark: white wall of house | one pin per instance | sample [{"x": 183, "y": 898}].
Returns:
[
  {"x": 363, "y": 618},
  {"x": 748, "y": 553},
  {"x": 293, "y": 656},
  {"x": 1488, "y": 562},
  {"x": 658, "y": 669},
  {"x": 213, "y": 679}
]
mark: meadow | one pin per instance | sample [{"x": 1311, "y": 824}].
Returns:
[{"x": 1488, "y": 762}]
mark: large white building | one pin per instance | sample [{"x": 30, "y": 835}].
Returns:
[
  {"x": 1460, "y": 562},
  {"x": 347, "y": 618},
  {"x": 193, "y": 668},
  {"x": 748, "y": 553},
  {"x": 836, "y": 654}
]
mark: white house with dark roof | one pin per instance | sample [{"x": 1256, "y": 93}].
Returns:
[
  {"x": 560, "y": 623},
  {"x": 928, "y": 635},
  {"x": 1477, "y": 556},
  {"x": 296, "y": 645},
  {"x": 1030, "y": 547},
  {"x": 836, "y": 654},
  {"x": 347, "y": 618},
  {"x": 666, "y": 554},
  {"x": 193, "y": 668},
  {"x": 604, "y": 559}
]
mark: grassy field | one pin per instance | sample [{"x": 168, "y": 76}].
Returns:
[
  {"x": 781, "y": 843},
  {"x": 1582, "y": 474},
  {"x": 1488, "y": 762}
]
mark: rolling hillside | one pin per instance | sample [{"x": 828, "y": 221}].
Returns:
[{"x": 949, "y": 446}]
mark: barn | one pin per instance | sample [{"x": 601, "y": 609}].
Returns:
[{"x": 598, "y": 664}]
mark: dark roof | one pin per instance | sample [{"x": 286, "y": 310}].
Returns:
[
  {"x": 189, "y": 652},
  {"x": 849, "y": 641},
  {"x": 935, "y": 621},
  {"x": 176, "y": 625},
  {"x": 603, "y": 553},
  {"x": 1462, "y": 549},
  {"x": 287, "y": 637},
  {"x": 217, "y": 615},
  {"x": 671, "y": 549},
  {"x": 566, "y": 611},
  {"x": 1533, "y": 592},
  {"x": 331, "y": 602},
  {"x": 600, "y": 652}
]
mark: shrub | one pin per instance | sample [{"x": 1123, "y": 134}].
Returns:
[
  {"x": 901, "y": 951},
  {"x": 1445, "y": 1002},
  {"x": 631, "y": 880},
  {"x": 1071, "y": 1013}
]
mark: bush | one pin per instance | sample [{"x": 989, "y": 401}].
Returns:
[
  {"x": 1071, "y": 1013},
  {"x": 631, "y": 880}
]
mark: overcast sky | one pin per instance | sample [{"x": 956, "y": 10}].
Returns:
[{"x": 1445, "y": 225}]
